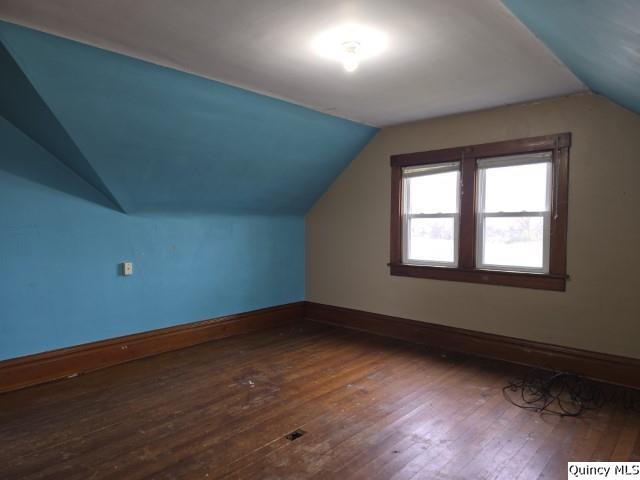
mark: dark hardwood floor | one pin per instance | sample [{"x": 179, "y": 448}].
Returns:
[{"x": 372, "y": 408}]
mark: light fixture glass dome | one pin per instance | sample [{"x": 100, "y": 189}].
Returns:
[
  {"x": 350, "y": 44},
  {"x": 350, "y": 58}
]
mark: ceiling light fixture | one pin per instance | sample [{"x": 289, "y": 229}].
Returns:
[
  {"x": 350, "y": 59},
  {"x": 350, "y": 44}
]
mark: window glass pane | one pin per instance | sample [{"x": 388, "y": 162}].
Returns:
[
  {"x": 514, "y": 241},
  {"x": 516, "y": 188},
  {"x": 431, "y": 239},
  {"x": 434, "y": 193}
]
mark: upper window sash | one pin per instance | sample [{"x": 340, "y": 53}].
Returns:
[
  {"x": 485, "y": 164},
  {"x": 422, "y": 170},
  {"x": 515, "y": 160}
]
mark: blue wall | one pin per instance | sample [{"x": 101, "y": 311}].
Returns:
[
  {"x": 59, "y": 256},
  {"x": 105, "y": 159},
  {"x": 599, "y": 40}
]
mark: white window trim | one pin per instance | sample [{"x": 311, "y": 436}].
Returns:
[
  {"x": 514, "y": 160},
  {"x": 423, "y": 171}
]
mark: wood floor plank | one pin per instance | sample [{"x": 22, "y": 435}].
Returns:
[
  {"x": 225, "y": 423},
  {"x": 372, "y": 408},
  {"x": 112, "y": 386},
  {"x": 609, "y": 438},
  {"x": 175, "y": 402},
  {"x": 339, "y": 414},
  {"x": 402, "y": 398},
  {"x": 624, "y": 446},
  {"x": 160, "y": 436}
]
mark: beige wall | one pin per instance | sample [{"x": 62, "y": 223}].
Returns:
[{"x": 348, "y": 231}]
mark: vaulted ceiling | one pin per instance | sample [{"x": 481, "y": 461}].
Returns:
[
  {"x": 599, "y": 40},
  {"x": 143, "y": 101},
  {"x": 444, "y": 56},
  {"x": 151, "y": 138}
]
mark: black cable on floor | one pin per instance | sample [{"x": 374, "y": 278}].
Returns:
[{"x": 566, "y": 394}]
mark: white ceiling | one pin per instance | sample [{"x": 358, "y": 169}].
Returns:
[{"x": 445, "y": 56}]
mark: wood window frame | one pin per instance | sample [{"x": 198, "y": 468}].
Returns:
[{"x": 558, "y": 145}]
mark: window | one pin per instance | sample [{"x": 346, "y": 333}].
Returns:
[
  {"x": 514, "y": 212},
  {"x": 493, "y": 213},
  {"x": 431, "y": 214}
]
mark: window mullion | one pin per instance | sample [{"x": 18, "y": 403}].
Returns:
[
  {"x": 546, "y": 247},
  {"x": 467, "y": 225}
]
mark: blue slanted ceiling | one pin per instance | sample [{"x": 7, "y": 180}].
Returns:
[
  {"x": 599, "y": 40},
  {"x": 22, "y": 106},
  {"x": 161, "y": 140}
]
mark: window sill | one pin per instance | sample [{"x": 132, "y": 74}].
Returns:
[{"x": 488, "y": 277}]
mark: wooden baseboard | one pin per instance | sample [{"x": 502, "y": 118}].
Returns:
[
  {"x": 30, "y": 370},
  {"x": 44, "y": 367},
  {"x": 599, "y": 366}
]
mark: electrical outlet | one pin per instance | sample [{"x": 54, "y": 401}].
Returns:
[{"x": 127, "y": 268}]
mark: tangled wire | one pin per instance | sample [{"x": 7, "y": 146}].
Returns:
[{"x": 566, "y": 394}]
